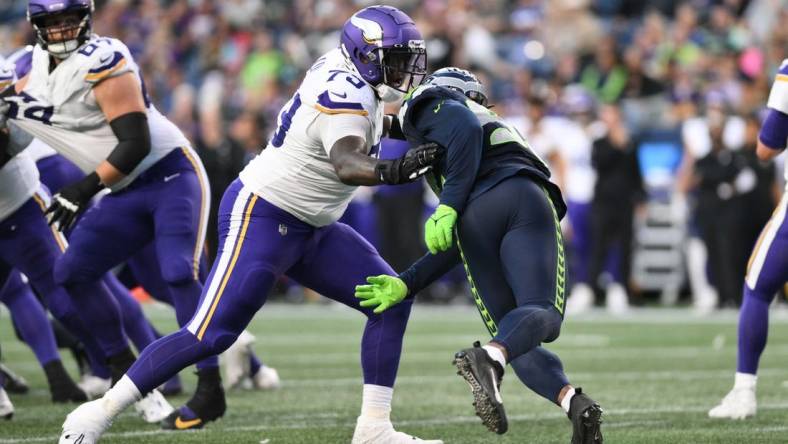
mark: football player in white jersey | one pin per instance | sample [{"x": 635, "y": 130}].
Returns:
[
  {"x": 29, "y": 317},
  {"x": 767, "y": 271},
  {"x": 280, "y": 217},
  {"x": 85, "y": 97}
]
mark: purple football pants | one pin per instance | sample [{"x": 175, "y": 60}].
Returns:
[
  {"x": 258, "y": 243},
  {"x": 86, "y": 307},
  {"x": 168, "y": 205},
  {"x": 766, "y": 274}
]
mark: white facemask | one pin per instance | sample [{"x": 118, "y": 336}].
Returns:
[{"x": 389, "y": 94}]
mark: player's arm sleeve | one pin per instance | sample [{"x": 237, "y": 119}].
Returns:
[
  {"x": 429, "y": 268},
  {"x": 332, "y": 127},
  {"x": 774, "y": 131},
  {"x": 452, "y": 125},
  {"x": 134, "y": 141}
]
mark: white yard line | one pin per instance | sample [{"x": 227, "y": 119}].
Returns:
[{"x": 556, "y": 414}]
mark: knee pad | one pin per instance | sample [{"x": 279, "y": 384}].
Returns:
[
  {"x": 14, "y": 288},
  {"x": 758, "y": 293},
  {"x": 70, "y": 270},
  {"x": 216, "y": 342},
  {"x": 177, "y": 270}
]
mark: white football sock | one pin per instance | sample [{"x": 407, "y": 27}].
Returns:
[
  {"x": 745, "y": 381},
  {"x": 123, "y": 394},
  {"x": 376, "y": 401},
  {"x": 496, "y": 354},
  {"x": 567, "y": 401}
]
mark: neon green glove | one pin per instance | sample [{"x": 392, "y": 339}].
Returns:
[
  {"x": 439, "y": 229},
  {"x": 384, "y": 292}
]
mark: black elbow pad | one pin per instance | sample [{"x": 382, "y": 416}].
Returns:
[{"x": 134, "y": 143}]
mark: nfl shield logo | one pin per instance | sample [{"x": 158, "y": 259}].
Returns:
[{"x": 283, "y": 229}]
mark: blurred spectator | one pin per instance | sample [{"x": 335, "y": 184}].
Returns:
[
  {"x": 605, "y": 77},
  {"x": 223, "y": 69},
  {"x": 721, "y": 177},
  {"x": 761, "y": 200},
  {"x": 574, "y": 130},
  {"x": 618, "y": 190}
]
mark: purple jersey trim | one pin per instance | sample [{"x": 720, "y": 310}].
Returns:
[
  {"x": 116, "y": 58},
  {"x": 325, "y": 101},
  {"x": 774, "y": 132}
]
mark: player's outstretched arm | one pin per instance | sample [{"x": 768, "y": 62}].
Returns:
[
  {"x": 354, "y": 167},
  {"x": 383, "y": 292}
]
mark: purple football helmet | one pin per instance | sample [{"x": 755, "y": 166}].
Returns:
[
  {"x": 386, "y": 48},
  {"x": 61, "y": 26}
]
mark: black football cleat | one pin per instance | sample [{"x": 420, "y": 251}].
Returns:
[
  {"x": 484, "y": 375},
  {"x": 586, "y": 417},
  {"x": 207, "y": 403},
  {"x": 61, "y": 386},
  {"x": 12, "y": 382}
]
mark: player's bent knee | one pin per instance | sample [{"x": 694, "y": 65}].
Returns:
[
  {"x": 178, "y": 271},
  {"x": 216, "y": 342},
  {"x": 69, "y": 270},
  {"x": 764, "y": 294}
]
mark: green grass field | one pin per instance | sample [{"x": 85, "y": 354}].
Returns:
[{"x": 655, "y": 374}]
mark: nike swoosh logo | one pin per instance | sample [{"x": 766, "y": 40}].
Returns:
[
  {"x": 105, "y": 58},
  {"x": 169, "y": 178},
  {"x": 343, "y": 96},
  {"x": 183, "y": 425},
  {"x": 495, "y": 387}
]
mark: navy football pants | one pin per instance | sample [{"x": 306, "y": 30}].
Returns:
[{"x": 510, "y": 241}]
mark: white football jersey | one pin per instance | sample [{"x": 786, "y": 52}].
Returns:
[
  {"x": 778, "y": 100},
  {"x": 60, "y": 109},
  {"x": 38, "y": 150},
  {"x": 18, "y": 183},
  {"x": 294, "y": 172}
]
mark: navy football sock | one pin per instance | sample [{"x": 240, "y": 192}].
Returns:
[{"x": 542, "y": 372}]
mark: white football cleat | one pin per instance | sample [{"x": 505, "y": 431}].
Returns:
[
  {"x": 93, "y": 386},
  {"x": 616, "y": 299},
  {"x": 6, "y": 408},
  {"x": 739, "y": 403},
  {"x": 236, "y": 360},
  {"x": 153, "y": 408},
  {"x": 267, "y": 378},
  {"x": 381, "y": 431},
  {"x": 581, "y": 299},
  {"x": 86, "y": 423}
]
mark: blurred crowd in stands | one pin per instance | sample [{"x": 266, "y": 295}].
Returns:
[{"x": 647, "y": 112}]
